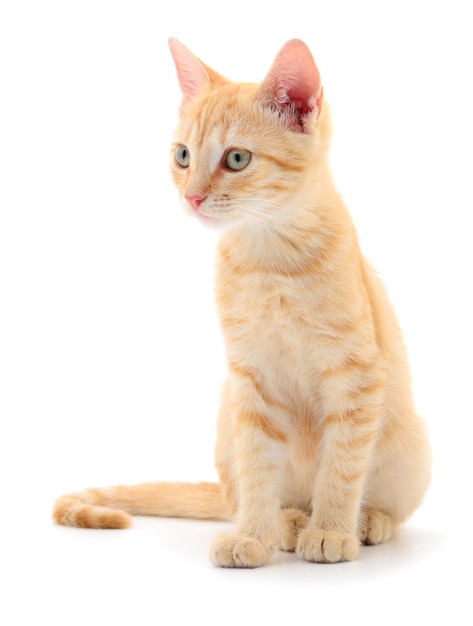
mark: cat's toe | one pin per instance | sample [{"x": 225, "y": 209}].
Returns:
[
  {"x": 292, "y": 522},
  {"x": 322, "y": 546},
  {"x": 238, "y": 551},
  {"x": 375, "y": 526}
]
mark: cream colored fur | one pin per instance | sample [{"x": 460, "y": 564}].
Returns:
[{"x": 319, "y": 445}]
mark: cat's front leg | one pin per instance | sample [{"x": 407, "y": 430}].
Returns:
[
  {"x": 258, "y": 452},
  {"x": 350, "y": 424}
]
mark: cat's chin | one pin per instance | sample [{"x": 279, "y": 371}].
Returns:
[
  {"x": 211, "y": 222},
  {"x": 214, "y": 222}
]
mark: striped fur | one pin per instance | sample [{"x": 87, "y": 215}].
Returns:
[{"x": 319, "y": 445}]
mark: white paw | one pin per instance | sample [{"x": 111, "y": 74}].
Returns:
[
  {"x": 238, "y": 551},
  {"x": 325, "y": 546},
  {"x": 292, "y": 522},
  {"x": 375, "y": 527}
]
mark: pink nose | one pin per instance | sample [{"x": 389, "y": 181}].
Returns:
[{"x": 195, "y": 201}]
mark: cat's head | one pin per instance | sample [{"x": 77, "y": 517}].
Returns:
[{"x": 243, "y": 152}]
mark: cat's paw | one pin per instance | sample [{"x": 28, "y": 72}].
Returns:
[
  {"x": 238, "y": 551},
  {"x": 325, "y": 546},
  {"x": 292, "y": 522},
  {"x": 374, "y": 527}
]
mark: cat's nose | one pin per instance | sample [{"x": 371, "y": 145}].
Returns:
[{"x": 195, "y": 201}]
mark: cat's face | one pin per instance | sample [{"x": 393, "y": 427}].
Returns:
[
  {"x": 239, "y": 157},
  {"x": 235, "y": 161}
]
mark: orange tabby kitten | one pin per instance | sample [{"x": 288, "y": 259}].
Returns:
[{"x": 319, "y": 446}]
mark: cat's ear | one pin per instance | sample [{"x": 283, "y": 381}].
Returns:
[
  {"x": 293, "y": 83},
  {"x": 191, "y": 73}
]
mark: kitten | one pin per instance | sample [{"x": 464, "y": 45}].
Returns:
[{"x": 319, "y": 446}]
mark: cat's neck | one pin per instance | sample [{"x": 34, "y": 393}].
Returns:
[{"x": 320, "y": 230}]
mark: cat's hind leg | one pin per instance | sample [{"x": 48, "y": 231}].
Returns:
[
  {"x": 374, "y": 526},
  {"x": 292, "y": 522},
  {"x": 396, "y": 483}
]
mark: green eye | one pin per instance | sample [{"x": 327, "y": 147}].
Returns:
[
  {"x": 182, "y": 156},
  {"x": 237, "y": 159}
]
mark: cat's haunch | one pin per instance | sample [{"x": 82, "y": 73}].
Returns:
[{"x": 319, "y": 447}]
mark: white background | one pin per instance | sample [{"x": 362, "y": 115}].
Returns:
[{"x": 110, "y": 353}]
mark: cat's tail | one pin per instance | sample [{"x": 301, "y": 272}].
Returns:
[{"x": 110, "y": 507}]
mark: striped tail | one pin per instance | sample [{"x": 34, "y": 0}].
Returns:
[{"x": 111, "y": 507}]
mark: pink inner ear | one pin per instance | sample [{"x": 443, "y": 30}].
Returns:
[
  {"x": 191, "y": 73},
  {"x": 294, "y": 78}
]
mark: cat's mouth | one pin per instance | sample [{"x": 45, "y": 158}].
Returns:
[
  {"x": 205, "y": 212},
  {"x": 199, "y": 214},
  {"x": 206, "y": 217}
]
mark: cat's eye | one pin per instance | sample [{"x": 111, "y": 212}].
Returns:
[
  {"x": 237, "y": 159},
  {"x": 182, "y": 156}
]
